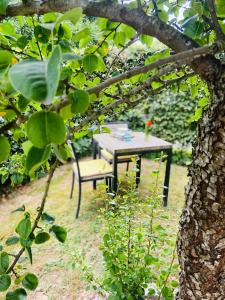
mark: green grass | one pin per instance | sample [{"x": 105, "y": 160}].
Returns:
[{"x": 54, "y": 262}]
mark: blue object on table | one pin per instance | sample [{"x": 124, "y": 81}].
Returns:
[{"x": 127, "y": 136}]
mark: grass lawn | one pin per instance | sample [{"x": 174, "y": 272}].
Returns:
[{"x": 54, "y": 262}]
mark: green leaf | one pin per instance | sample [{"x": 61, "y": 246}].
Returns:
[
  {"x": 66, "y": 112},
  {"x": 12, "y": 240},
  {"x": 48, "y": 219},
  {"x": 53, "y": 73},
  {"x": 22, "y": 103},
  {"x": 22, "y": 42},
  {"x": 5, "y": 282},
  {"x": 203, "y": 102},
  {"x": 37, "y": 80},
  {"x": 60, "y": 233},
  {"x": 81, "y": 34},
  {"x": 42, "y": 237},
  {"x": 36, "y": 157},
  {"x": 30, "y": 282},
  {"x": 42, "y": 34},
  {"x": 26, "y": 146},
  {"x": 119, "y": 39},
  {"x": 18, "y": 294},
  {"x": 90, "y": 63},
  {"x": 46, "y": 127},
  {"x": 4, "y": 262},
  {"x": 26, "y": 243},
  {"x": 3, "y": 6},
  {"x": 220, "y": 8},
  {"x": 192, "y": 27},
  {"x": 21, "y": 208},
  {"x": 4, "y": 148},
  {"x": 6, "y": 58},
  {"x": 29, "y": 79},
  {"x": 129, "y": 31},
  {"x": 29, "y": 253},
  {"x": 149, "y": 259},
  {"x": 80, "y": 101},
  {"x": 60, "y": 153},
  {"x": 72, "y": 15},
  {"x": 24, "y": 227},
  {"x": 146, "y": 39}
]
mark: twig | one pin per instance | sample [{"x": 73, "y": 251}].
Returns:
[
  {"x": 50, "y": 176},
  {"x": 170, "y": 268},
  {"x": 39, "y": 49},
  {"x": 14, "y": 272},
  {"x": 105, "y": 38},
  {"x": 156, "y": 13},
  {"x": 219, "y": 33},
  {"x": 15, "y": 52},
  {"x": 131, "y": 42}
]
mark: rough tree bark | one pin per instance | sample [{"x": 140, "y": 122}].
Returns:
[{"x": 201, "y": 243}]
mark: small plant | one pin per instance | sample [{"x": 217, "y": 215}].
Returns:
[{"x": 137, "y": 246}]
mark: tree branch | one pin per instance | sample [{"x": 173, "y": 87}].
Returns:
[
  {"x": 186, "y": 56},
  {"x": 135, "y": 18},
  {"x": 126, "y": 100},
  {"x": 183, "y": 58},
  {"x": 207, "y": 67},
  {"x": 37, "y": 219},
  {"x": 219, "y": 33}
]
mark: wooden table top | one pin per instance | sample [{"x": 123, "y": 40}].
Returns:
[{"x": 139, "y": 143}]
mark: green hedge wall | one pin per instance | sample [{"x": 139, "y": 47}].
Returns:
[{"x": 170, "y": 114}]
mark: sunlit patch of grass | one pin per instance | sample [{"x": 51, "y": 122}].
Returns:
[{"x": 54, "y": 262}]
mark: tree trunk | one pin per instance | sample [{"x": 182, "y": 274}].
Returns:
[{"x": 201, "y": 240}]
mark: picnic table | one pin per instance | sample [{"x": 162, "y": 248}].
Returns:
[{"x": 138, "y": 145}]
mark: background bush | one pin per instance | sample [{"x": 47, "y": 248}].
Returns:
[{"x": 170, "y": 114}]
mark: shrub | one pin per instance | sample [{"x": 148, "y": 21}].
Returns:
[
  {"x": 137, "y": 247},
  {"x": 170, "y": 113}
]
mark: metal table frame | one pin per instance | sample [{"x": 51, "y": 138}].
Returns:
[{"x": 167, "y": 151}]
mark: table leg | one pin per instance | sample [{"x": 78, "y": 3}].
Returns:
[
  {"x": 167, "y": 177},
  {"x": 138, "y": 172},
  {"x": 94, "y": 153},
  {"x": 115, "y": 173}
]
